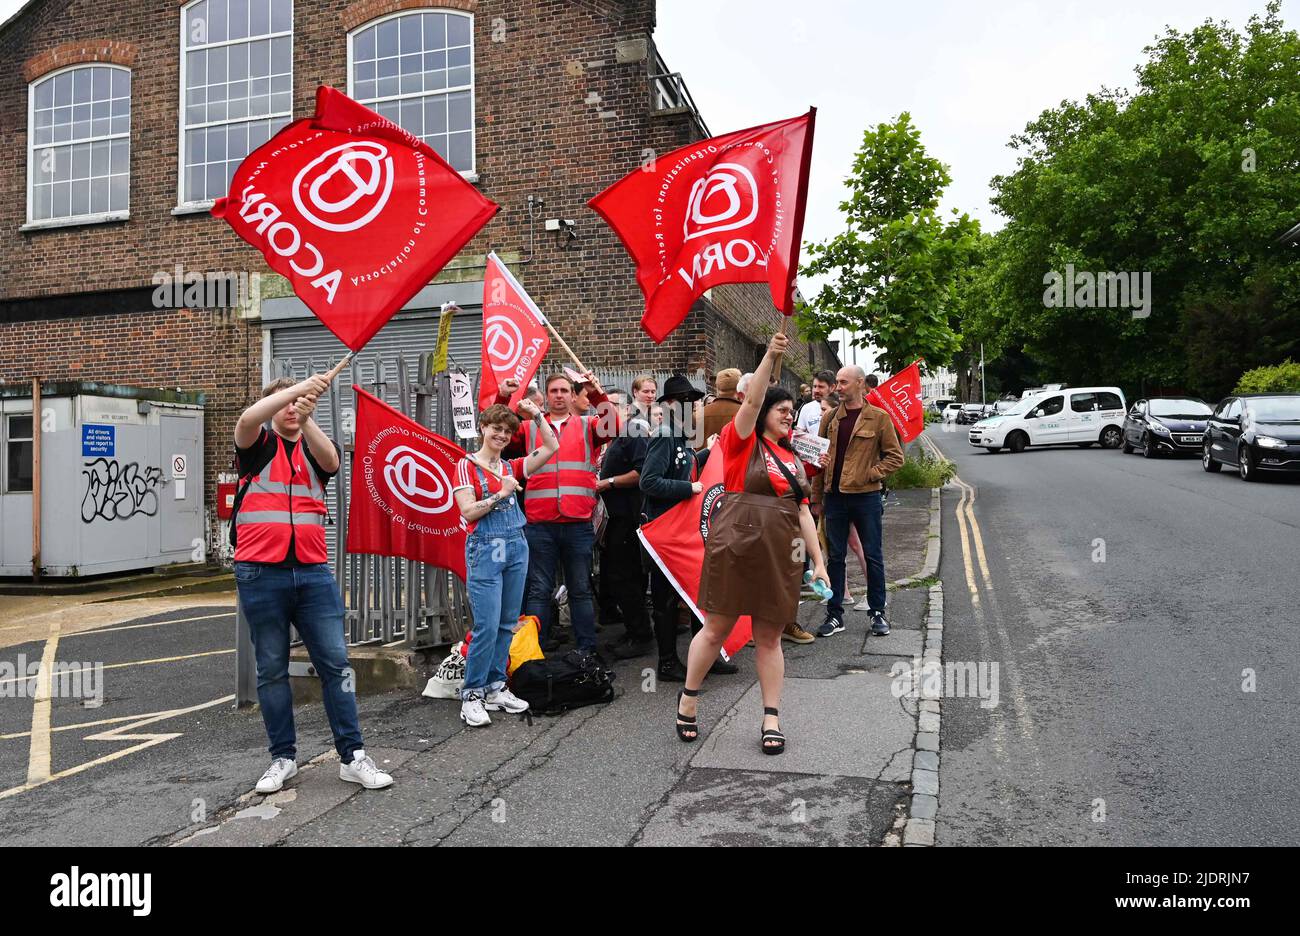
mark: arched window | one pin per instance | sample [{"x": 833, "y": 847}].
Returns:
[
  {"x": 236, "y": 88},
  {"x": 79, "y": 157},
  {"x": 416, "y": 68}
]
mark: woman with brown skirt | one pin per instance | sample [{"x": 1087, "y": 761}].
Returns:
[{"x": 753, "y": 558}]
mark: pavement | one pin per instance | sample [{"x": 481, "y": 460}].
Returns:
[
  {"x": 163, "y": 759},
  {"x": 1143, "y": 616}
]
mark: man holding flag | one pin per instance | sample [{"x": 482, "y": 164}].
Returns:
[
  {"x": 864, "y": 451},
  {"x": 282, "y": 576}
]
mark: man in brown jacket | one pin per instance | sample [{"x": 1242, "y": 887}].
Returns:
[
  {"x": 720, "y": 412},
  {"x": 864, "y": 451}
]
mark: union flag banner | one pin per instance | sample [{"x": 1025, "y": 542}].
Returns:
[
  {"x": 357, "y": 213},
  {"x": 401, "y": 502},
  {"x": 725, "y": 210},
  {"x": 675, "y": 541},
  {"x": 900, "y": 397},
  {"x": 515, "y": 339}
]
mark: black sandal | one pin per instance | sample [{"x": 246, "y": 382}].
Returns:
[
  {"x": 771, "y": 734},
  {"x": 686, "y": 723}
]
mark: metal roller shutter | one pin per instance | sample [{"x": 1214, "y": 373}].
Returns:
[{"x": 304, "y": 346}]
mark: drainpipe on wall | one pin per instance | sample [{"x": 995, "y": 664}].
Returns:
[{"x": 36, "y": 477}]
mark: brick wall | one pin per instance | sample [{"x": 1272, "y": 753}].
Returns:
[{"x": 562, "y": 104}]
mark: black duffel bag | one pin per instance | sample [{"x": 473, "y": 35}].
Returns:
[{"x": 552, "y": 686}]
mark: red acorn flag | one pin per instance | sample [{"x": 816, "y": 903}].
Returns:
[
  {"x": 356, "y": 212},
  {"x": 725, "y": 210},
  {"x": 515, "y": 339},
  {"x": 401, "y": 502}
]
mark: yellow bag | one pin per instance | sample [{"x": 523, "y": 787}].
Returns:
[{"x": 524, "y": 645}]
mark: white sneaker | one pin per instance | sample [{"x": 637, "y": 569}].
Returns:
[
  {"x": 473, "y": 713},
  {"x": 281, "y": 769},
  {"x": 863, "y": 605},
  {"x": 362, "y": 770},
  {"x": 504, "y": 700}
]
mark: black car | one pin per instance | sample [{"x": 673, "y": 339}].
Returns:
[
  {"x": 1161, "y": 425},
  {"x": 971, "y": 413},
  {"x": 1255, "y": 432}
]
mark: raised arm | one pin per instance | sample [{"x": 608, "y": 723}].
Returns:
[
  {"x": 747, "y": 416},
  {"x": 250, "y": 421},
  {"x": 550, "y": 444}
]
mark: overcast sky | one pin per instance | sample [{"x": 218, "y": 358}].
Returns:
[{"x": 970, "y": 73}]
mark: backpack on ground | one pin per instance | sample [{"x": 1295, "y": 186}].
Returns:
[{"x": 552, "y": 686}]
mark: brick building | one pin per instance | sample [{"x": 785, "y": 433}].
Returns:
[{"x": 119, "y": 122}]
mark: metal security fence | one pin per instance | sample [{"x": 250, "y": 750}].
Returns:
[{"x": 389, "y": 601}]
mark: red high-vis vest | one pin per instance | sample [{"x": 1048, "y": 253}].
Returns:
[
  {"x": 564, "y": 488},
  {"x": 283, "y": 501}
]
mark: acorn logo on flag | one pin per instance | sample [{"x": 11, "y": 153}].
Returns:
[
  {"x": 401, "y": 501},
  {"x": 515, "y": 338},
  {"x": 416, "y": 480},
  {"x": 355, "y": 212},
  {"x": 728, "y": 209}
]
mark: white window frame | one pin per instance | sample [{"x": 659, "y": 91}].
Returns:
[
  {"x": 202, "y": 205},
  {"x": 6, "y": 440},
  {"x": 95, "y": 217},
  {"x": 470, "y": 174}
]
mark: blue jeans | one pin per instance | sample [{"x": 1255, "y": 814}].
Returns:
[
  {"x": 548, "y": 545},
  {"x": 307, "y": 598},
  {"x": 864, "y": 511},
  {"x": 496, "y": 567}
]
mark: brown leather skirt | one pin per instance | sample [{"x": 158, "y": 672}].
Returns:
[{"x": 751, "y": 563}]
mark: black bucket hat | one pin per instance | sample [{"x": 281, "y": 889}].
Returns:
[{"x": 678, "y": 387}]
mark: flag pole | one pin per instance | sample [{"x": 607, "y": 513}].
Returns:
[
  {"x": 582, "y": 369},
  {"x": 786, "y": 319}
]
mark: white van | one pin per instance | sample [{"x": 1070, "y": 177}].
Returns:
[{"x": 1081, "y": 415}]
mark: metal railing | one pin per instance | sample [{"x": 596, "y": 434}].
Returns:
[{"x": 668, "y": 91}]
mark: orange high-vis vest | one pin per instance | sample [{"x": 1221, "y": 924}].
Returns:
[
  {"x": 564, "y": 488},
  {"x": 283, "y": 502}
]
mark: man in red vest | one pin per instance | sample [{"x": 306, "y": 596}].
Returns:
[
  {"x": 282, "y": 576},
  {"x": 560, "y": 498}
]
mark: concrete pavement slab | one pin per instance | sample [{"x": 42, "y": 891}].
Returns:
[
  {"x": 851, "y": 726},
  {"x": 755, "y": 808}
]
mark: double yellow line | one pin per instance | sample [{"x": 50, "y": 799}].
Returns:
[{"x": 972, "y": 541}]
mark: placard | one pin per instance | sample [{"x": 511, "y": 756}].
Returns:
[
  {"x": 809, "y": 447},
  {"x": 462, "y": 406}
]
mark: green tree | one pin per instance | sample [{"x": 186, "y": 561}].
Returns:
[
  {"x": 895, "y": 266},
  {"x": 1190, "y": 178}
]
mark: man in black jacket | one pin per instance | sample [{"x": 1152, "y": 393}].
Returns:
[{"x": 666, "y": 481}]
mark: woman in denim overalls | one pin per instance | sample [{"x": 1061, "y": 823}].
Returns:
[{"x": 496, "y": 556}]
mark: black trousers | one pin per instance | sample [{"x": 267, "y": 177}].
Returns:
[
  {"x": 665, "y": 603},
  {"x": 622, "y": 577}
]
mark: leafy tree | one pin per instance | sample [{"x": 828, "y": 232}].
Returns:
[
  {"x": 896, "y": 264},
  {"x": 1190, "y": 178}
]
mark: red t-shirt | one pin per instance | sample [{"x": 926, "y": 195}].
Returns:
[
  {"x": 736, "y": 453},
  {"x": 467, "y": 476}
]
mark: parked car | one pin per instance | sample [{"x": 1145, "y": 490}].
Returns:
[
  {"x": 938, "y": 406},
  {"x": 1082, "y": 415},
  {"x": 1257, "y": 433},
  {"x": 1166, "y": 424},
  {"x": 971, "y": 413},
  {"x": 950, "y": 412}
]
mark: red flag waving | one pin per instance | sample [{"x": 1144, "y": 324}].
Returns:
[
  {"x": 900, "y": 397},
  {"x": 515, "y": 339},
  {"x": 675, "y": 540},
  {"x": 401, "y": 503},
  {"x": 724, "y": 210},
  {"x": 357, "y": 213}
]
